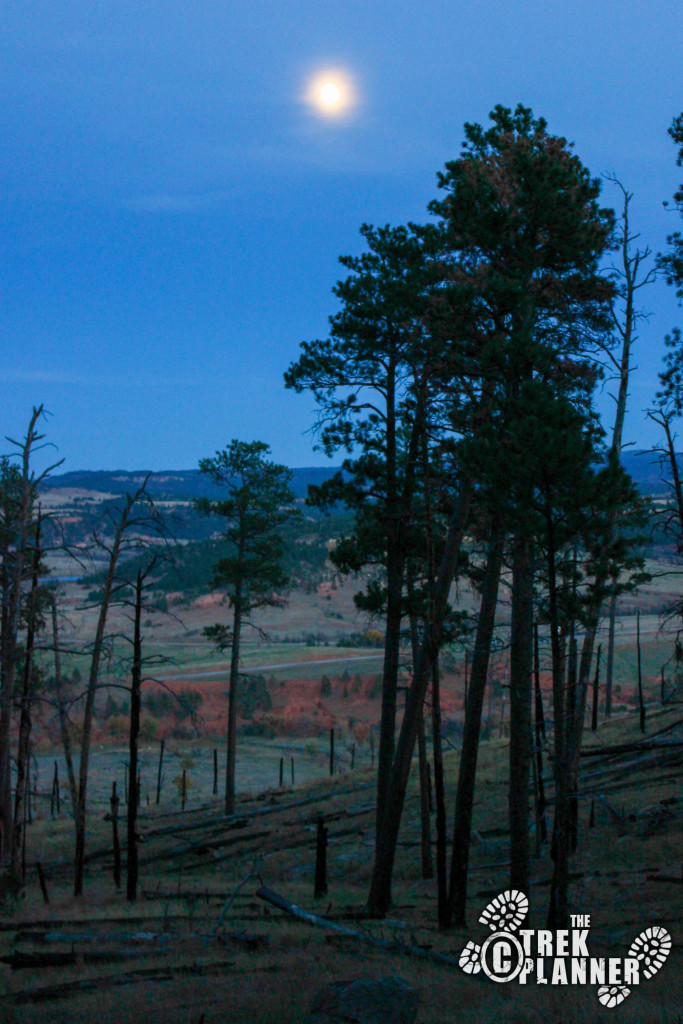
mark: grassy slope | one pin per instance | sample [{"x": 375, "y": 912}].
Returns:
[{"x": 275, "y": 983}]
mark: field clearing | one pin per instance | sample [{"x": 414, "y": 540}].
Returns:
[
  {"x": 261, "y": 966},
  {"x": 257, "y": 770}
]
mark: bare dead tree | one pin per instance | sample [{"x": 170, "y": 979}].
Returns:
[
  {"x": 18, "y": 491},
  {"x": 137, "y": 511}
]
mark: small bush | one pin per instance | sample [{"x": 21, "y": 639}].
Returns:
[
  {"x": 376, "y": 688},
  {"x": 189, "y": 703},
  {"x": 149, "y": 729}
]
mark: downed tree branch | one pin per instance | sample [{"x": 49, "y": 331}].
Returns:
[
  {"x": 274, "y": 898},
  {"x": 254, "y": 873}
]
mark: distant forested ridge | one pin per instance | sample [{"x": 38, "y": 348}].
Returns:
[
  {"x": 186, "y": 484},
  {"x": 170, "y": 484}
]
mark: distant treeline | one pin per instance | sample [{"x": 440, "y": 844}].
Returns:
[{"x": 189, "y": 567}]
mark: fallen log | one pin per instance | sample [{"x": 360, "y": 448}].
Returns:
[
  {"x": 73, "y": 938},
  {"x": 226, "y": 820},
  {"x": 630, "y": 748},
  {"x": 276, "y": 900},
  {"x": 247, "y": 940},
  {"x": 539, "y": 884},
  {"x": 71, "y": 988},
  {"x": 628, "y": 783},
  {"x": 192, "y": 848},
  {"x": 182, "y": 894},
  {"x": 56, "y": 923},
  {"x": 21, "y": 961}
]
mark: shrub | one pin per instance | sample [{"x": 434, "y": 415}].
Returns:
[
  {"x": 258, "y": 729},
  {"x": 189, "y": 703},
  {"x": 149, "y": 729},
  {"x": 253, "y": 695},
  {"x": 376, "y": 688},
  {"x": 111, "y": 708}
]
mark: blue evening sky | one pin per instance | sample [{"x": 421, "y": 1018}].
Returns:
[{"x": 172, "y": 210}]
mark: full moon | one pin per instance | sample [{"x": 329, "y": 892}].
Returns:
[{"x": 330, "y": 93}]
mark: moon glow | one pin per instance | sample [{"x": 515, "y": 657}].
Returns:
[{"x": 330, "y": 93}]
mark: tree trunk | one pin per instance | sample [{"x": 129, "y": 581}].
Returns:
[
  {"x": 440, "y": 800},
  {"x": 134, "y": 732},
  {"x": 464, "y": 802},
  {"x": 11, "y": 605},
  {"x": 609, "y": 671},
  {"x": 21, "y": 794},
  {"x": 539, "y": 717},
  {"x": 93, "y": 678},
  {"x": 397, "y": 514},
  {"x": 387, "y": 723},
  {"x": 425, "y": 788},
  {"x": 626, "y": 328},
  {"x": 425, "y": 823},
  {"x": 379, "y": 897},
  {"x": 596, "y": 693},
  {"x": 521, "y": 688},
  {"x": 558, "y": 915},
  {"x": 232, "y": 705},
  {"x": 641, "y": 702},
  {"x": 61, "y": 710},
  {"x": 673, "y": 463},
  {"x": 392, "y": 626},
  {"x": 539, "y": 737}
]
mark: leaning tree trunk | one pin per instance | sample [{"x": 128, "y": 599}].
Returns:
[
  {"x": 464, "y": 801},
  {"x": 379, "y": 897},
  {"x": 397, "y": 514},
  {"x": 93, "y": 678},
  {"x": 61, "y": 710}
]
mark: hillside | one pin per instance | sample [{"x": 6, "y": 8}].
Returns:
[
  {"x": 186, "y": 484},
  {"x": 166, "y": 485}
]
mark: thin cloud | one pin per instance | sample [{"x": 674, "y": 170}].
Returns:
[
  {"x": 148, "y": 381},
  {"x": 179, "y": 202}
]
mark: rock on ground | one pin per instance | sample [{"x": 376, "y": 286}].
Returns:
[{"x": 388, "y": 1000}]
